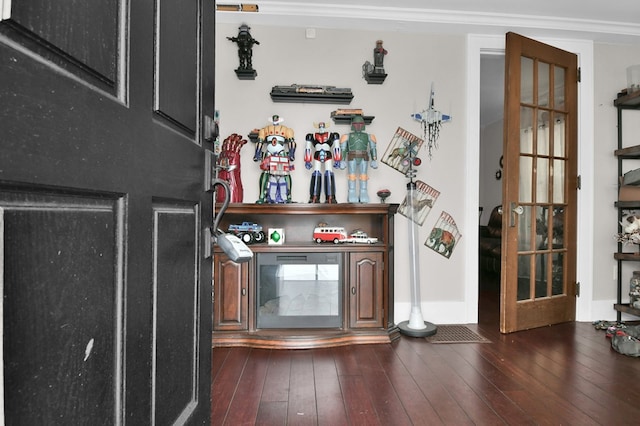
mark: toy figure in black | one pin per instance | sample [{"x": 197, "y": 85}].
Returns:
[
  {"x": 322, "y": 149},
  {"x": 245, "y": 47},
  {"x": 378, "y": 58}
]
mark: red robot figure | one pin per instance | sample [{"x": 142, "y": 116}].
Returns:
[
  {"x": 228, "y": 168},
  {"x": 322, "y": 147}
]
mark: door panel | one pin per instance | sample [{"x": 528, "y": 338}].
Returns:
[
  {"x": 230, "y": 304},
  {"x": 175, "y": 374},
  {"x": 107, "y": 303},
  {"x": 62, "y": 327},
  {"x": 80, "y": 38},
  {"x": 365, "y": 278},
  {"x": 176, "y": 89},
  {"x": 540, "y": 191}
]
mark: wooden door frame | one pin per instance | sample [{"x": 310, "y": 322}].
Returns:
[{"x": 478, "y": 45}]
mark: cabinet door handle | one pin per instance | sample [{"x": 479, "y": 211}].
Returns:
[
  {"x": 353, "y": 290},
  {"x": 244, "y": 292}
]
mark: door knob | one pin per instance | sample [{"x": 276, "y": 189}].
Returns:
[{"x": 515, "y": 210}]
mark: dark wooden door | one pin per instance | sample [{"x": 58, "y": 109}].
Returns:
[
  {"x": 365, "y": 292},
  {"x": 540, "y": 185},
  {"x": 106, "y": 291},
  {"x": 231, "y": 294}
]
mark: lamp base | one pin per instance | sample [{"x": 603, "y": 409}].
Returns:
[{"x": 429, "y": 330}]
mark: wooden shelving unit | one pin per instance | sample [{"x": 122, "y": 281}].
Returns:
[
  {"x": 367, "y": 290},
  {"x": 623, "y": 102}
]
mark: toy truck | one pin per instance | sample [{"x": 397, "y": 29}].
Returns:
[{"x": 248, "y": 232}]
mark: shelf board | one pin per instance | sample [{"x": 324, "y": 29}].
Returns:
[
  {"x": 627, "y": 204},
  {"x": 312, "y": 98},
  {"x": 346, "y": 119},
  {"x": 628, "y": 152},
  {"x": 311, "y": 209},
  {"x": 627, "y": 256},
  {"x": 629, "y": 100},
  {"x": 624, "y": 307}
]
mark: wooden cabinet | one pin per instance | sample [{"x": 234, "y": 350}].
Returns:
[
  {"x": 365, "y": 290},
  {"x": 366, "y": 300},
  {"x": 230, "y": 295},
  {"x": 625, "y": 152}
]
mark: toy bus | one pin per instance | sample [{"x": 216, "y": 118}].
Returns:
[{"x": 336, "y": 234}]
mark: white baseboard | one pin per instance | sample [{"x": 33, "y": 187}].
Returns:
[
  {"x": 436, "y": 313},
  {"x": 603, "y": 310},
  {"x": 455, "y": 312}
]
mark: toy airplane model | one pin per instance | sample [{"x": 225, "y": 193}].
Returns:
[
  {"x": 431, "y": 115},
  {"x": 431, "y": 119}
]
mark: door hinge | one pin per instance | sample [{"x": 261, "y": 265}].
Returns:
[
  {"x": 578, "y": 289},
  {"x": 579, "y": 182},
  {"x": 579, "y": 75},
  {"x": 211, "y": 130},
  {"x": 207, "y": 240}
]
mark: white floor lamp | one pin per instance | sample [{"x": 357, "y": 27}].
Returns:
[
  {"x": 416, "y": 326},
  {"x": 430, "y": 120}
]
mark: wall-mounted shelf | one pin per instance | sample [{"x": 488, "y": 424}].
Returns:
[
  {"x": 311, "y": 94},
  {"x": 375, "y": 78}
]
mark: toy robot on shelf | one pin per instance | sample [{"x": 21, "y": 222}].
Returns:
[
  {"x": 358, "y": 150},
  {"x": 245, "y": 47},
  {"x": 276, "y": 162},
  {"x": 378, "y": 57},
  {"x": 228, "y": 168},
  {"x": 322, "y": 149}
]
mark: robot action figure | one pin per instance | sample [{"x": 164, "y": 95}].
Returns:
[
  {"x": 359, "y": 149},
  {"x": 378, "y": 57},
  {"x": 322, "y": 147},
  {"x": 276, "y": 162},
  {"x": 245, "y": 47}
]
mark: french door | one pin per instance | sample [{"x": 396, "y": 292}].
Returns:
[{"x": 538, "y": 281}]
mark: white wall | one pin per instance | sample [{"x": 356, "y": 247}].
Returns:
[{"x": 335, "y": 57}]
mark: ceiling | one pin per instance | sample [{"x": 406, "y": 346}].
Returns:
[{"x": 613, "y": 21}]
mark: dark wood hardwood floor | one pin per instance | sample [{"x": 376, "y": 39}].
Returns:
[{"x": 561, "y": 375}]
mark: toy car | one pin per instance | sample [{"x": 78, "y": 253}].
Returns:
[
  {"x": 248, "y": 232},
  {"x": 361, "y": 237}
]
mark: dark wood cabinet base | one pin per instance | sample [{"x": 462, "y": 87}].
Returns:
[
  {"x": 302, "y": 339},
  {"x": 247, "y": 297}
]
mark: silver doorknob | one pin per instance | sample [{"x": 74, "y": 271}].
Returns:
[{"x": 515, "y": 210}]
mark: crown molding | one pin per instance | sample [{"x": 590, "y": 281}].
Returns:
[{"x": 287, "y": 14}]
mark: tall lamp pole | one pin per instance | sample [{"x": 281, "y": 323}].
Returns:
[
  {"x": 430, "y": 120},
  {"x": 416, "y": 326}
]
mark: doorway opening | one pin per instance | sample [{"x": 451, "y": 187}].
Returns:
[{"x": 490, "y": 184}]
